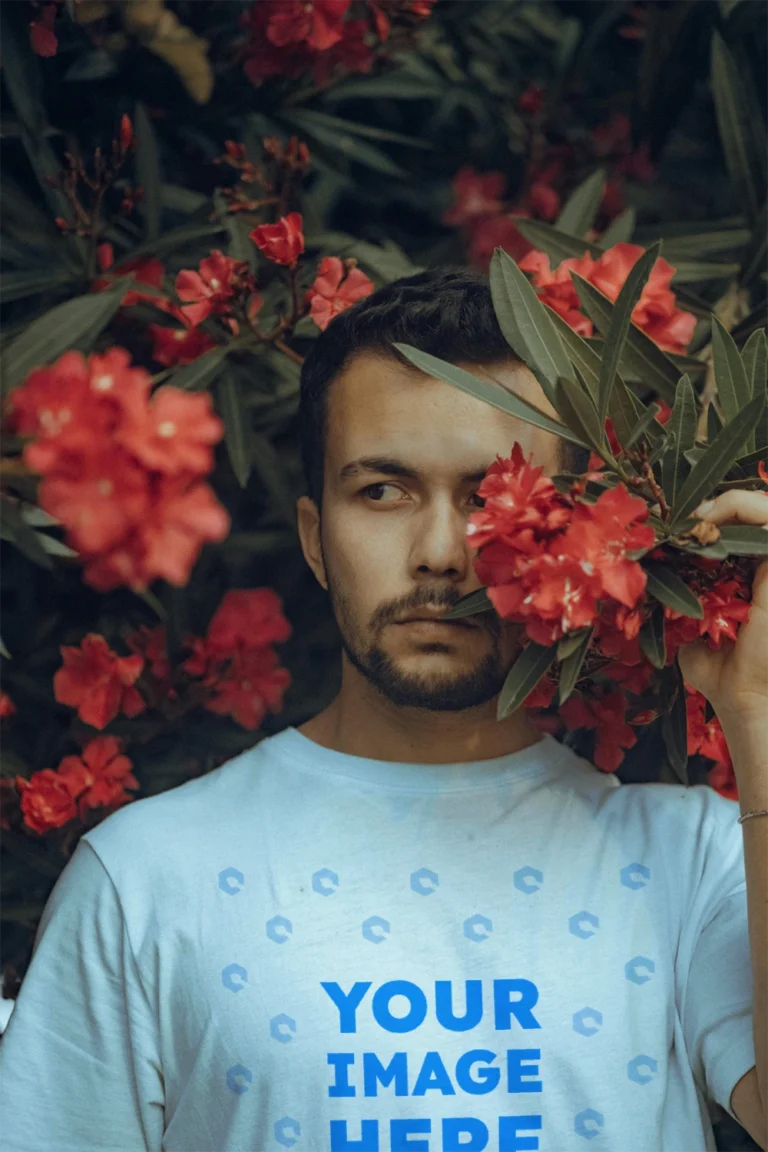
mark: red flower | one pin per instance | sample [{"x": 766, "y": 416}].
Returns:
[
  {"x": 655, "y": 312},
  {"x": 317, "y": 23},
  {"x": 7, "y": 706},
  {"x": 145, "y": 270},
  {"x": 543, "y": 200},
  {"x": 282, "y": 242},
  {"x": 46, "y": 801},
  {"x": 41, "y": 34},
  {"x": 475, "y": 194},
  {"x": 249, "y": 617},
  {"x": 490, "y": 232},
  {"x": 531, "y": 99},
  {"x": 126, "y": 133},
  {"x": 172, "y": 346},
  {"x": 174, "y": 432},
  {"x": 211, "y": 288},
  {"x": 522, "y": 508},
  {"x": 98, "y": 682},
  {"x": 607, "y": 714},
  {"x": 332, "y": 292},
  {"x": 99, "y": 776},
  {"x": 252, "y": 684},
  {"x": 151, "y": 645},
  {"x": 601, "y": 534},
  {"x": 351, "y": 52},
  {"x": 97, "y": 498},
  {"x": 726, "y": 605}
]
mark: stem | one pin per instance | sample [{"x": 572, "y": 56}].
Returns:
[{"x": 289, "y": 352}]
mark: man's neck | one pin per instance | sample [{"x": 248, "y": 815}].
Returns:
[{"x": 362, "y": 723}]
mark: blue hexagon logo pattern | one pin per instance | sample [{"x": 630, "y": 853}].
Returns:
[
  {"x": 639, "y": 969},
  {"x": 231, "y": 881},
  {"x": 588, "y": 1123},
  {"x": 375, "y": 929},
  {"x": 642, "y": 1069},
  {"x": 587, "y": 1021},
  {"x": 424, "y": 881},
  {"x": 238, "y": 1078},
  {"x": 528, "y": 879},
  {"x": 635, "y": 875},
  {"x": 282, "y": 1028},
  {"x": 578, "y": 924},
  {"x": 325, "y": 881},
  {"x": 234, "y": 977},
  {"x": 287, "y": 1131},
  {"x": 478, "y": 928},
  {"x": 279, "y": 929}
]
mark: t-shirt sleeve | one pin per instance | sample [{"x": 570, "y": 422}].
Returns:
[
  {"x": 718, "y": 988},
  {"x": 79, "y": 1063}
]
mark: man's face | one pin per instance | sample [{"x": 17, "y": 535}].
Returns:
[{"x": 392, "y": 541}]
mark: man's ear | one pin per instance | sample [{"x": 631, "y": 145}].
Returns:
[{"x": 308, "y": 521}]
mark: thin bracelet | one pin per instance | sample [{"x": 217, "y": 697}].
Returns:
[{"x": 746, "y": 816}]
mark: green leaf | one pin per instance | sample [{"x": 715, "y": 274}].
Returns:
[
  {"x": 716, "y": 461},
  {"x": 744, "y": 539},
  {"x": 523, "y": 677},
  {"x": 581, "y": 354},
  {"x": 755, "y": 255},
  {"x": 733, "y": 387},
  {"x": 13, "y": 528},
  {"x": 667, "y": 587},
  {"x": 620, "y": 230},
  {"x": 651, "y": 638},
  {"x": 489, "y": 391},
  {"x": 19, "y": 285},
  {"x": 556, "y": 245},
  {"x": 642, "y": 425},
  {"x": 580, "y": 209},
  {"x": 641, "y": 357},
  {"x": 148, "y": 173},
  {"x": 570, "y": 642},
  {"x": 201, "y": 372},
  {"x": 74, "y": 324},
  {"x": 749, "y": 463},
  {"x": 526, "y": 323},
  {"x": 696, "y": 271},
  {"x": 618, "y": 329},
  {"x": 754, "y": 356},
  {"x": 572, "y": 665},
  {"x": 674, "y": 724},
  {"x": 235, "y": 431},
  {"x": 742, "y": 130},
  {"x": 578, "y": 410},
  {"x": 470, "y": 605},
  {"x": 348, "y": 145},
  {"x": 682, "y": 424},
  {"x": 339, "y": 125}
]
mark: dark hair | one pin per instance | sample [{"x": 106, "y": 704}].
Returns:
[{"x": 445, "y": 311}]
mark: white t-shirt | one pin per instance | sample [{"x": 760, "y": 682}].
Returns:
[{"x": 306, "y": 949}]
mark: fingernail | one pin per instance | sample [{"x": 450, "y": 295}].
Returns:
[{"x": 705, "y": 508}]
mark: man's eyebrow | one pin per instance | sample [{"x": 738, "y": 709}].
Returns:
[{"x": 390, "y": 467}]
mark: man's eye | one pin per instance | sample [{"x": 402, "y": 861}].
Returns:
[{"x": 371, "y": 487}]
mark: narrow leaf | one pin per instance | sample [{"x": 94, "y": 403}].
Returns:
[
  {"x": 674, "y": 725},
  {"x": 148, "y": 173},
  {"x": 651, "y": 638},
  {"x": 621, "y": 316},
  {"x": 667, "y": 587},
  {"x": 733, "y": 387},
  {"x": 523, "y": 677},
  {"x": 471, "y": 605},
  {"x": 572, "y": 665},
  {"x": 489, "y": 391},
  {"x": 620, "y": 230},
  {"x": 754, "y": 356},
  {"x": 76, "y": 323},
  {"x": 553, "y": 243},
  {"x": 570, "y": 642},
  {"x": 696, "y": 271},
  {"x": 580, "y": 209},
  {"x": 645, "y": 420},
  {"x": 681, "y": 425},
  {"x": 717, "y": 459},
  {"x": 577, "y": 409},
  {"x": 742, "y": 134},
  {"x": 235, "y": 433},
  {"x": 201, "y": 372},
  {"x": 526, "y": 323},
  {"x": 744, "y": 539},
  {"x": 641, "y": 356}
]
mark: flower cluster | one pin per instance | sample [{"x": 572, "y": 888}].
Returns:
[
  {"x": 656, "y": 312},
  {"x": 98, "y": 778},
  {"x": 294, "y": 37},
  {"x": 274, "y": 179},
  {"x": 338, "y": 284},
  {"x": 549, "y": 559},
  {"x": 556, "y": 564},
  {"x": 122, "y": 468},
  {"x": 487, "y": 217},
  {"x": 97, "y": 682}
]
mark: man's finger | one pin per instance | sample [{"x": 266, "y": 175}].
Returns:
[{"x": 737, "y": 504}]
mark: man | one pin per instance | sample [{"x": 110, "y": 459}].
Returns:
[{"x": 404, "y": 924}]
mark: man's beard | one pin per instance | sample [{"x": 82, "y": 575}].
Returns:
[{"x": 438, "y": 692}]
